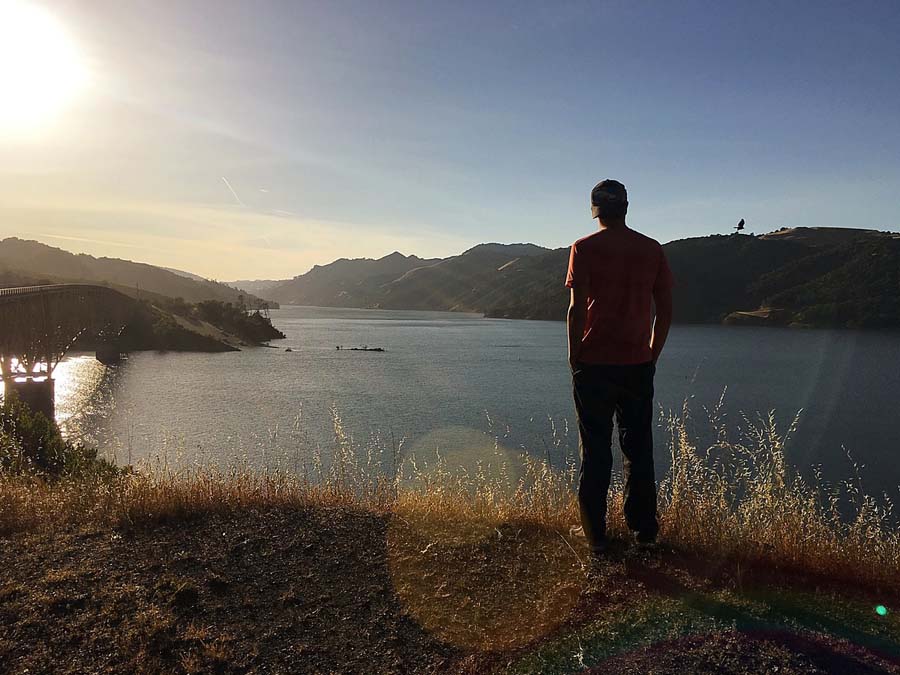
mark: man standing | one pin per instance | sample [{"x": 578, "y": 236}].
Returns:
[{"x": 616, "y": 275}]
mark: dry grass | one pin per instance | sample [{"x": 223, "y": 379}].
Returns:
[
  {"x": 737, "y": 499},
  {"x": 740, "y": 499}
]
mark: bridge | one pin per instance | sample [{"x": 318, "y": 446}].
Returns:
[{"x": 40, "y": 324}]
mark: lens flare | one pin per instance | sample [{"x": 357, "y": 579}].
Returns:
[
  {"x": 458, "y": 566},
  {"x": 881, "y": 610}
]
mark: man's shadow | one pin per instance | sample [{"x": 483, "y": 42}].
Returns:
[{"x": 797, "y": 625}]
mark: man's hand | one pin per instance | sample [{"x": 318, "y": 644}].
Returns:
[
  {"x": 663, "y": 300},
  {"x": 573, "y": 360},
  {"x": 575, "y": 321}
]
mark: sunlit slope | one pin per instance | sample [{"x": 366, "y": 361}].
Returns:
[
  {"x": 345, "y": 283},
  {"x": 460, "y": 283},
  {"x": 23, "y": 261},
  {"x": 529, "y": 288}
]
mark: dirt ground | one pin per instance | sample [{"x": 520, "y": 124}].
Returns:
[{"x": 344, "y": 591}]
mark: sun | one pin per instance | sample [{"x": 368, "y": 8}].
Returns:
[{"x": 41, "y": 69}]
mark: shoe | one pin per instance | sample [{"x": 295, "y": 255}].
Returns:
[
  {"x": 645, "y": 539},
  {"x": 598, "y": 548}
]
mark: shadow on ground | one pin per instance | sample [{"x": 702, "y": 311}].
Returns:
[
  {"x": 668, "y": 612},
  {"x": 337, "y": 590}
]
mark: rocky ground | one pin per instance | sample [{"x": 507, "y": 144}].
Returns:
[{"x": 343, "y": 591}]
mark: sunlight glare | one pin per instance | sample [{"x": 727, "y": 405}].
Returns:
[{"x": 40, "y": 68}]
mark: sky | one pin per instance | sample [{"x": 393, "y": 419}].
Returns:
[{"x": 254, "y": 139}]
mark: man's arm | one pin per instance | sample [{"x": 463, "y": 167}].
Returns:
[
  {"x": 575, "y": 320},
  {"x": 662, "y": 298}
]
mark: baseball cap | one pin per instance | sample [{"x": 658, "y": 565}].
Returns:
[{"x": 605, "y": 192}]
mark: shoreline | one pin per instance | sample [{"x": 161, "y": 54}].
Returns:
[{"x": 723, "y": 323}]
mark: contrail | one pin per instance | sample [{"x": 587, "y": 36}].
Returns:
[{"x": 228, "y": 185}]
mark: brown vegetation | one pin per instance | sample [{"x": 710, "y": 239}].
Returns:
[{"x": 427, "y": 569}]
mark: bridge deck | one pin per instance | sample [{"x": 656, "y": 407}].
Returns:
[
  {"x": 17, "y": 293},
  {"x": 38, "y": 324}
]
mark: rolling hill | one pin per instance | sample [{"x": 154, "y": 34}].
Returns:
[
  {"x": 839, "y": 277},
  {"x": 259, "y": 287},
  {"x": 345, "y": 283},
  {"x": 24, "y": 262}
]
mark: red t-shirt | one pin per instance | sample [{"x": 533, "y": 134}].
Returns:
[{"x": 621, "y": 269}]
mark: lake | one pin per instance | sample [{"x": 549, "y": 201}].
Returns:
[{"x": 446, "y": 380}]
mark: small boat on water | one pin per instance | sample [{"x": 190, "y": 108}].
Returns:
[{"x": 364, "y": 348}]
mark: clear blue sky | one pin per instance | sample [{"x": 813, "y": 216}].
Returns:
[{"x": 354, "y": 128}]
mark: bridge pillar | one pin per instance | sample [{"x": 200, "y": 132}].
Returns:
[
  {"x": 39, "y": 395},
  {"x": 108, "y": 354}
]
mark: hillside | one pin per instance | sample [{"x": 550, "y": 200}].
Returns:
[
  {"x": 822, "y": 277},
  {"x": 164, "y": 324},
  {"x": 855, "y": 285},
  {"x": 838, "y": 277},
  {"x": 460, "y": 283},
  {"x": 714, "y": 274},
  {"x": 369, "y": 566},
  {"x": 398, "y": 281},
  {"x": 258, "y": 287},
  {"x": 265, "y": 590},
  {"x": 345, "y": 283},
  {"x": 31, "y": 262},
  {"x": 178, "y": 311}
]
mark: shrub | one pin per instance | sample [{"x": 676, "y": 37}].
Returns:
[{"x": 32, "y": 444}]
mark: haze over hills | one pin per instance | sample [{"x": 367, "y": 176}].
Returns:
[
  {"x": 255, "y": 286},
  {"x": 839, "y": 277},
  {"x": 24, "y": 262}
]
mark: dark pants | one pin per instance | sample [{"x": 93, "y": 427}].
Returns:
[{"x": 602, "y": 391}]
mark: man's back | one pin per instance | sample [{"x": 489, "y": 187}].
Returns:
[
  {"x": 615, "y": 276},
  {"x": 620, "y": 269}
]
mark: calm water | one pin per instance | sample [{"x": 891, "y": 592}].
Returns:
[{"x": 447, "y": 379}]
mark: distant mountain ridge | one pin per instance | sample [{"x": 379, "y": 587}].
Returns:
[
  {"x": 518, "y": 250},
  {"x": 840, "y": 277},
  {"x": 345, "y": 282},
  {"x": 255, "y": 286},
  {"x": 821, "y": 277}
]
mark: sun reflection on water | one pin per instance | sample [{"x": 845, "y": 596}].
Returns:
[{"x": 83, "y": 395}]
